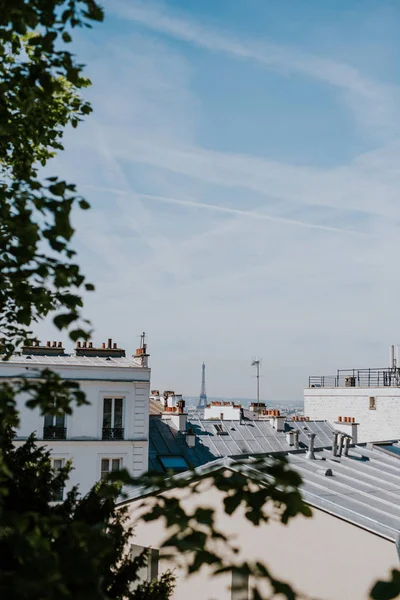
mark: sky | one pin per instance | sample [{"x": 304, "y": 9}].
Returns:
[{"x": 242, "y": 163}]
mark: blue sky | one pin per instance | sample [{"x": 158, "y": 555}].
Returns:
[{"x": 242, "y": 163}]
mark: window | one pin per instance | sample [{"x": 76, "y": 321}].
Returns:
[
  {"x": 372, "y": 403},
  {"x": 174, "y": 463},
  {"x": 54, "y": 427},
  {"x": 108, "y": 465},
  {"x": 58, "y": 464},
  {"x": 150, "y": 571},
  {"x": 113, "y": 419}
]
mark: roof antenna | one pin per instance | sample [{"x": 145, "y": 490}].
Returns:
[{"x": 256, "y": 363}]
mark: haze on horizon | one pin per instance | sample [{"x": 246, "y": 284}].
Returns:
[{"x": 242, "y": 163}]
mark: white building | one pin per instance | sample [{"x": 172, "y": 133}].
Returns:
[
  {"x": 370, "y": 397},
  {"x": 108, "y": 434},
  {"x": 349, "y": 543}
]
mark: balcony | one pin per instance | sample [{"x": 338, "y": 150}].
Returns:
[
  {"x": 54, "y": 433},
  {"x": 113, "y": 433}
]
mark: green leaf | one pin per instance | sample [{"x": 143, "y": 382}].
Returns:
[{"x": 84, "y": 204}]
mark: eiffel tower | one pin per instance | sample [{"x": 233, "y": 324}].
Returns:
[{"x": 203, "y": 396}]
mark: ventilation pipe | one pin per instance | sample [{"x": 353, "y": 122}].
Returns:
[
  {"x": 310, "y": 454},
  {"x": 335, "y": 445},
  {"x": 346, "y": 445},
  {"x": 341, "y": 440},
  {"x": 296, "y": 439}
]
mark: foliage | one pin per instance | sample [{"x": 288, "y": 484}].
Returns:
[
  {"x": 39, "y": 90},
  {"x": 386, "y": 590},
  {"x": 76, "y": 549}
]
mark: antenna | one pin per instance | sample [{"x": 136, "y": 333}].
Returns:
[{"x": 256, "y": 363}]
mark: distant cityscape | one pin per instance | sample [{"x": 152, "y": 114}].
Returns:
[{"x": 289, "y": 407}]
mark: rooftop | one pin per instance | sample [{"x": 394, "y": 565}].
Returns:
[
  {"x": 385, "y": 377},
  {"x": 71, "y": 360},
  {"x": 215, "y": 439},
  {"x": 363, "y": 488}
]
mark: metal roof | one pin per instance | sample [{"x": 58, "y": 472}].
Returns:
[
  {"x": 363, "y": 489},
  {"x": 71, "y": 360},
  {"x": 247, "y": 438}
]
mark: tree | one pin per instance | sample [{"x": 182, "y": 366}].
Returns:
[{"x": 42, "y": 543}]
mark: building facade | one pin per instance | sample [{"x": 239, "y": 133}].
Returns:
[
  {"x": 370, "y": 397},
  {"x": 349, "y": 543},
  {"x": 109, "y": 433}
]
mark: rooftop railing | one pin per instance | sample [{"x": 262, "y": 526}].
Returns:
[{"x": 358, "y": 378}]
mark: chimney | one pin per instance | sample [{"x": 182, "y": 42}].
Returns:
[
  {"x": 190, "y": 438},
  {"x": 50, "y": 349},
  {"x": 278, "y": 421},
  {"x": 335, "y": 446},
  {"x": 109, "y": 343},
  {"x": 289, "y": 437},
  {"x": 296, "y": 445},
  {"x": 392, "y": 360},
  {"x": 310, "y": 454},
  {"x": 348, "y": 426},
  {"x": 241, "y": 415}
]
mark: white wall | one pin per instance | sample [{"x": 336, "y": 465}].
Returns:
[
  {"x": 380, "y": 424},
  {"x": 323, "y": 557},
  {"x": 84, "y": 444},
  {"x": 230, "y": 413},
  {"x": 86, "y": 458}
]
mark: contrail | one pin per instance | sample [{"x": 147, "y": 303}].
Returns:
[{"x": 232, "y": 211}]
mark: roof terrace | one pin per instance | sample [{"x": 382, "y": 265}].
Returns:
[{"x": 386, "y": 377}]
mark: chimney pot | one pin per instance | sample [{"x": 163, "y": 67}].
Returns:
[
  {"x": 48, "y": 344},
  {"x": 84, "y": 344},
  {"x": 103, "y": 345},
  {"x": 78, "y": 344},
  {"x": 340, "y": 419},
  {"x": 115, "y": 346},
  {"x": 60, "y": 344},
  {"x": 54, "y": 344},
  {"x": 109, "y": 342},
  {"x": 90, "y": 344}
]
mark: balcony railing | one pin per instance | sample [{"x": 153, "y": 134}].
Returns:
[
  {"x": 113, "y": 433},
  {"x": 358, "y": 378},
  {"x": 54, "y": 433}
]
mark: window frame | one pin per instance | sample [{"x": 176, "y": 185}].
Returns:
[
  {"x": 62, "y": 459},
  {"x": 110, "y": 459},
  {"x": 113, "y": 398}
]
